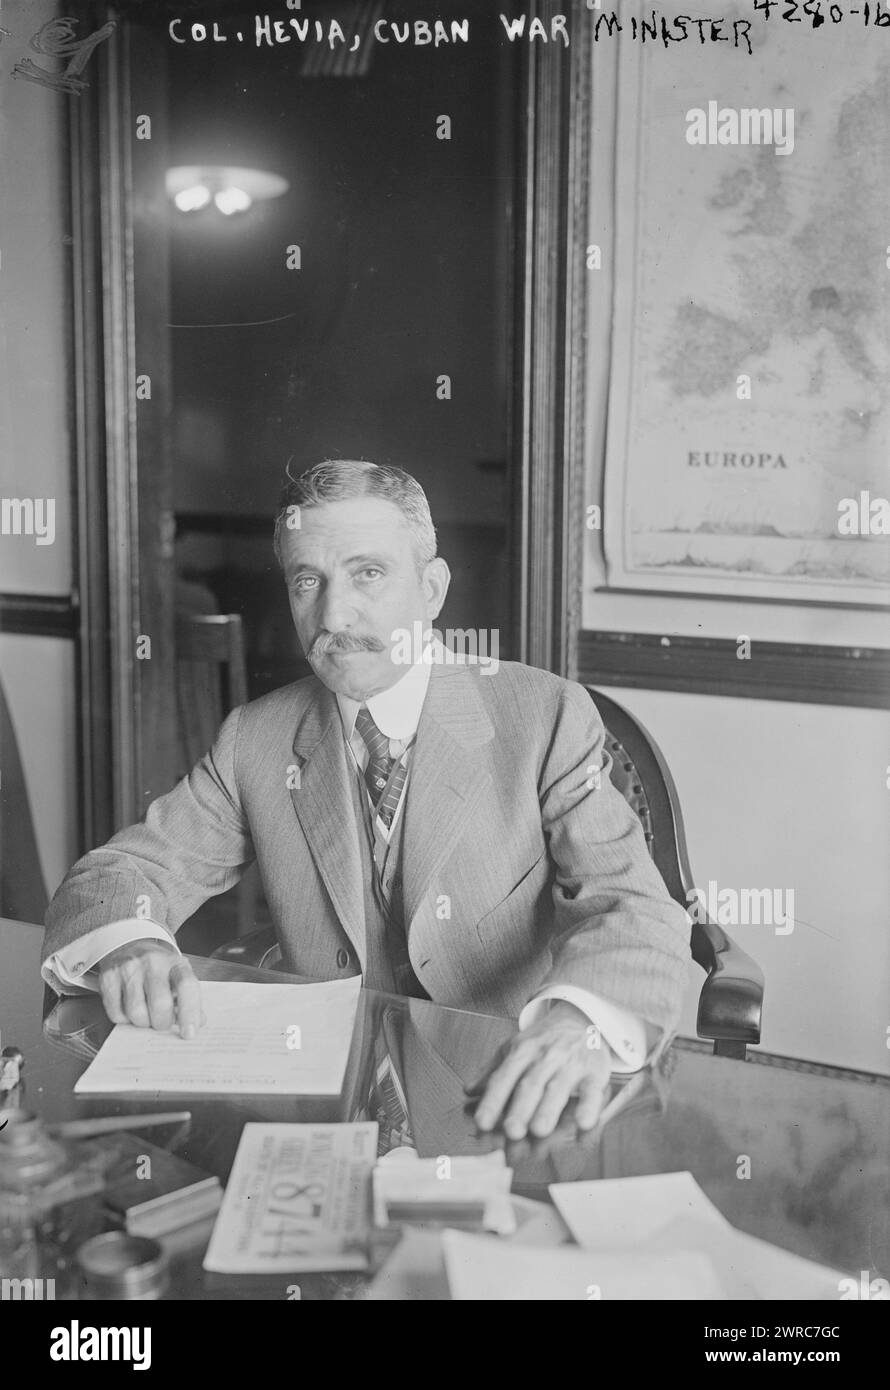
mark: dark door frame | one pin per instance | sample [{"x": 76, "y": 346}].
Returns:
[
  {"x": 124, "y": 535},
  {"x": 550, "y": 319},
  {"x": 125, "y": 525}
]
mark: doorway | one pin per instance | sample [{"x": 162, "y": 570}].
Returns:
[{"x": 411, "y": 294}]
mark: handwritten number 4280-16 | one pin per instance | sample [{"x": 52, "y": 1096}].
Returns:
[{"x": 57, "y": 39}]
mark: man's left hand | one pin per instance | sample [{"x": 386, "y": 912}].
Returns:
[{"x": 541, "y": 1069}]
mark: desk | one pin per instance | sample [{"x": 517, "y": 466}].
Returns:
[{"x": 817, "y": 1138}]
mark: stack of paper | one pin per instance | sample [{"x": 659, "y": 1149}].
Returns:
[
  {"x": 469, "y": 1191},
  {"x": 257, "y": 1040}
]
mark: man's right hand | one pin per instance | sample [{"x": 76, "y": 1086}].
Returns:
[{"x": 147, "y": 984}]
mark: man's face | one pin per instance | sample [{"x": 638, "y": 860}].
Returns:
[{"x": 352, "y": 583}]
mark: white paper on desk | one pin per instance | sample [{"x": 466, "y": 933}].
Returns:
[
  {"x": 751, "y": 1269},
  {"x": 663, "y": 1213},
  {"x": 615, "y": 1213},
  {"x": 414, "y": 1272},
  {"x": 484, "y": 1268},
  {"x": 258, "y": 1040},
  {"x": 538, "y": 1223},
  {"x": 298, "y": 1198}
]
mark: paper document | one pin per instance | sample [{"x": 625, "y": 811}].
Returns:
[
  {"x": 258, "y": 1040},
  {"x": 614, "y": 1213},
  {"x": 298, "y": 1198},
  {"x": 484, "y": 1268},
  {"x": 667, "y": 1213}
]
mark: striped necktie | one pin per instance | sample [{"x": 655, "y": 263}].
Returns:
[{"x": 379, "y": 767}]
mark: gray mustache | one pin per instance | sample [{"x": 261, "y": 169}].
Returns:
[{"x": 327, "y": 642}]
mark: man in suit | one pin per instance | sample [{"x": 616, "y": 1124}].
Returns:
[{"x": 446, "y": 828}]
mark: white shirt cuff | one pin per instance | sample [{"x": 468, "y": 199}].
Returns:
[
  {"x": 73, "y": 969},
  {"x": 621, "y": 1030}
]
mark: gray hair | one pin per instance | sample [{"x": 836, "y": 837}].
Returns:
[{"x": 337, "y": 480}]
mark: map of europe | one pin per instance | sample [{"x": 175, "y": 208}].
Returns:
[{"x": 753, "y": 367}]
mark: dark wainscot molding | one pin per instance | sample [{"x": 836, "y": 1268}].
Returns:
[
  {"x": 820, "y": 675},
  {"x": 38, "y": 615}
]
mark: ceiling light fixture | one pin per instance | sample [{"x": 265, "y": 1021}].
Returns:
[
  {"x": 193, "y": 198},
  {"x": 232, "y": 199},
  {"x": 230, "y": 188}
]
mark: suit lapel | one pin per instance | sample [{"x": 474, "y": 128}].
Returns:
[
  {"x": 323, "y": 803},
  {"x": 447, "y": 777}
]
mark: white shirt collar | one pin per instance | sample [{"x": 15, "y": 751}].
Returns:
[{"x": 395, "y": 711}]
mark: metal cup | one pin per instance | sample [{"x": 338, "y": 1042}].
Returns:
[{"x": 117, "y": 1265}]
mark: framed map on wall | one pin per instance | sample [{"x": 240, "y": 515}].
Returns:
[{"x": 749, "y": 404}]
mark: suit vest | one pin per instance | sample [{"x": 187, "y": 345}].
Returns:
[{"x": 389, "y": 966}]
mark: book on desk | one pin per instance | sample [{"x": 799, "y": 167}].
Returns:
[{"x": 156, "y": 1191}]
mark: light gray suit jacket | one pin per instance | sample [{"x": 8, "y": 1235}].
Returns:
[{"x": 516, "y": 873}]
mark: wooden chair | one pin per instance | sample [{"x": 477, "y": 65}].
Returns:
[
  {"x": 211, "y": 680},
  {"x": 731, "y": 999}
]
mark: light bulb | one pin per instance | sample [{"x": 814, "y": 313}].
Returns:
[
  {"x": 232, "y": 199},
  {"x": 192, "y": 199}
]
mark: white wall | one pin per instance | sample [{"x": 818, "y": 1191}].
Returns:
[
  {"x": 35, "y": 442},
  {"x": 34, "y": 308},
  {"x": 781, "y": 795},
  {"x": 774, "y": 794}
]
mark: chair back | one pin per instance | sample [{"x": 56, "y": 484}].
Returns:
[
  {"x": 211, "y": 679},
  {"x": 640, "y": 773},
  {"x": 730, "y": 1005}
]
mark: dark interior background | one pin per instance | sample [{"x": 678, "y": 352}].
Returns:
[
  {"x": 407, "y": 249},
  {"x": 406, "y": 245}
]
